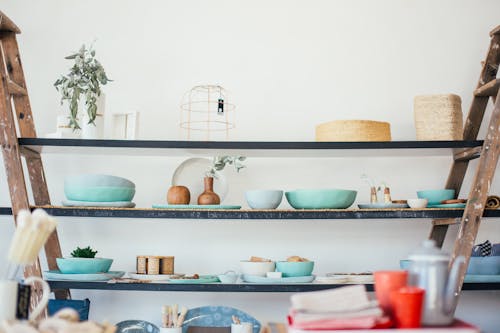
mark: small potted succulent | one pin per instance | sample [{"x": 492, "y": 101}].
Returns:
[
  {"x": 83, "y": 261},
  {"x": 83, "y": 82},
  {"x": 209, "y": 197}
]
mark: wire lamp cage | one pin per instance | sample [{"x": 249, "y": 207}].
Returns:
[{"x": 207, "y": 113}]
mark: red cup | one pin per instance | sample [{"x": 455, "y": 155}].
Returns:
[
  {"x": 385, "y": 283},
  {"x": 407, "y": 306}
]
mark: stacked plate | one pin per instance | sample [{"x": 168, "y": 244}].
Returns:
[{"x": 98, "y": 191}]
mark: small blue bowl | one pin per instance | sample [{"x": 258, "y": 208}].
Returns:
[
  {"x": 295, "y": 268},
  {"x": 434, "y": 197},
  {"x": 83, "y": 265},
  {"x": 404, "y": 264},
  {"x": 264, "y": 199},
  {"x": 489, "y": 265}
]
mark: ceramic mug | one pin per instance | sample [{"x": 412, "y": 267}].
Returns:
[
  {"x": 242, "y": 328},
  {"x": 9, "y": 298}
]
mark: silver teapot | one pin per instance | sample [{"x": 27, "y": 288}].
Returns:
[{"x": 429, "y": 270}]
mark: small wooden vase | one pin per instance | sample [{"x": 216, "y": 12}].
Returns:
[
  {"x": 208, "y": 197},
  {"x": 178, "y": 195}
]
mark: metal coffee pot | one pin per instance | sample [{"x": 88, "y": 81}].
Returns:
[{"x": 429, "y": 270}]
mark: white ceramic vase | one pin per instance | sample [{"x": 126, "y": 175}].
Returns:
[{"x": 96, "y": 130}]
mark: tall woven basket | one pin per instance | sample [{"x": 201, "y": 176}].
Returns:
[{"x": 438, "y": 117}]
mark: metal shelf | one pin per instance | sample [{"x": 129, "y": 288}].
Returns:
[
  {"x": 247, "y": 148},
  {"x": 243, "y": 214},
  {"x": 219, "y": 287}
]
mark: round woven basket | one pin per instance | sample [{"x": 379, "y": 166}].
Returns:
[
  {"x": 353, "y": 130},
  {"x": 438, "y": 117}
]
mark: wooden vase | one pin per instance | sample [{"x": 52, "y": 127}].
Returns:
[{"x": 208, "y": 197}]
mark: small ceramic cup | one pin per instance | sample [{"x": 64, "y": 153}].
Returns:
[
  {"x": 417, "y": 203},
  {"x": 242, "y": 328},
  {"x": 170, "y": 329},
  {"x": 228, "y": 277}
]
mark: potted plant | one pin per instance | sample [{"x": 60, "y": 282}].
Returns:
[
  {"x": 83, "y": 81},
  {"x": 209, "y": 197},
  {"x": 83, "y": 261}
]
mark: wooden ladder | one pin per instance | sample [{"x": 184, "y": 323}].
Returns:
[
  {"x": 488, "y": 86},
  {"x": 16, "y": 117}
]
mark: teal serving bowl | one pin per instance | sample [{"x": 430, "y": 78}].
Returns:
[
  {"x": 321, "y": 199},
  {"x": 294, "y": 268},
  {"x": 434, "y": 197},
  {"x": 99, "y": 194},
  {"x": 489, "y": 265},
  {"x": 83, "y": 265},
  {"x": 97, "y": 180}
]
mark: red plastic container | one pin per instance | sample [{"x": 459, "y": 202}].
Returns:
[
  {"x": 385, "y": 283},
  {"x": 407, "y": 306}
]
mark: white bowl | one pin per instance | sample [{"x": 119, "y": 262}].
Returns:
[
  {"x": 257, "y": 268},
  {"x": 417, "y": 203},
  {"x": 264, "y": 199}
]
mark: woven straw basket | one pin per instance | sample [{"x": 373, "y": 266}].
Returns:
[
  {"x": 438, "y": 117},
  {"x": 353, "y": 130}
]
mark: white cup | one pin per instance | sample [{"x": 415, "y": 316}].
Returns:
[
  {"x": 242, "y": 328},
  {"x": 8, "y": 298},
  {"x": 170, "y": 329}
]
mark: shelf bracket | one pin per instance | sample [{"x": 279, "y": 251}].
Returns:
[{"x": 467, "y": 154}]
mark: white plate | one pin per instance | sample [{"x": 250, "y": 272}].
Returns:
[
  {"x": 191, "y": 172},
  {"x": 265, "y": 280},
  {"x": 351, "y": 278},
  {"x": 57, "y": 275},
  {"x": 151, "y": 277},
  {"x": 382, "y": 206}
]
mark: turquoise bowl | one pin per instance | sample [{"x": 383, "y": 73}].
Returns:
[
  {"x": 99, "y": 194},
  {"x": 404, "y": 264},
  {"x": 294, "y": 269},
  {"x": 83, "y": 265},
  {"x": 91, "y": 180},
  {"x": 436, "y": 196},
  {"x": 321, "y": 199},
  {"x": 489, "y": 265}
]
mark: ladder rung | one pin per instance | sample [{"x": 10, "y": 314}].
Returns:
[
  {"x": 495, "y": 31},
  {"x": 6, "y": 24},
  {"x": 489, "y": 89},
  {"x": 467, "y": 154},
  {"x": 15, "y": 89}
]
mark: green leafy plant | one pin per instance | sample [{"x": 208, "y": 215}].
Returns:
[
  {"x": 83, "y": 253},
  {"x": 85, "y": 78},
  {"x": 220, "y": 162}
]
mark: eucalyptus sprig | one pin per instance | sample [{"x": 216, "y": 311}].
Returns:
[
  {"x": 86, "y": 252},
  {"x": 220, "y": 162},
  {"x": 85, "y": 78}
]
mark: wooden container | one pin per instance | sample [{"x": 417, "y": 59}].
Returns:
[
  {"x": 141, "y": 265},
  {"x": 353, "y": 130},
  {"x": 153, "y": 266},
  {"x": 167, "y": 265},
  {"x": 438, "y": 117}
]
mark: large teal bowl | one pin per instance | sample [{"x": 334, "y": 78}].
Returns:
[
  {"x": 293, "y": 268},
  {"x": 99, "y": 194},
  {"x": 436, "y": 196},
  {"x": 91, "y": 180},
  {"x": 321, "y": 199},
  {"x": 83, "y": 265}
]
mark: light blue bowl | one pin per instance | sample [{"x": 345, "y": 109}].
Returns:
[
  {"x": 99, "y": 194},
  {"x": 91, "y": 180},
  {"x": 264, "y": 199},
  {"x": 294, "y": 269},
  {"x": 321, "y": 199},
  {"x": 489, "y": 265},
  {"x": 404, "y": 264},
  {"x": 83, "y": 265},
  {"x": 436, "y": 196}
]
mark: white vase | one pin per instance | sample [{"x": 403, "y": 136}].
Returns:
[{"x": 95, "y": 130}]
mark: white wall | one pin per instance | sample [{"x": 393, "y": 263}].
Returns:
[{"x": 290, "y": 65}]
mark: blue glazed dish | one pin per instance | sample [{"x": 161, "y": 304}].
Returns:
[
  {"x": 99, "y": 194},
  {"x": 217, "y": 316},
  {"x": 321, "y": 199},
  {"x": 97, "y": 180},
  {"x": 489, "y": 265},
  {"x": 295, "y": 269},
  {"x": 83, "y": 265},
  {"x": 434, "y": 197}
]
